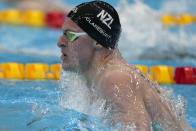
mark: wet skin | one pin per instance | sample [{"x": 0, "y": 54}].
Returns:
[{"x": 134, "y": 98}]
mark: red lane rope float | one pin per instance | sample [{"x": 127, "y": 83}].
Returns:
[
  {"x": 184, "y": 75},
  {"x": 194, "y": 71},
  {"x": 55, "y": 19}
]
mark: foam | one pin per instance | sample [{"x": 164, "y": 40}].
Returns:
[{"x": 145, "y": 37}]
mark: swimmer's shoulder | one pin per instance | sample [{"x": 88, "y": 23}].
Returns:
[
  {"x": 121, "y": 76},
  {"x": 117, "y": 71}
]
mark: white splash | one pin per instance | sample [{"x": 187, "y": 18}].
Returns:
[
  {"x": 145, "y": 37},
  {"x": 77, "y": 96}
]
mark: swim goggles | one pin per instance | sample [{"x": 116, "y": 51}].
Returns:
[{"x": 72, "y": 36}]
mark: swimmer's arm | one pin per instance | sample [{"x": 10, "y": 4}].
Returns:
[
  {"x": 118, "y": 87},
  {"x": 160, "y": 113}
]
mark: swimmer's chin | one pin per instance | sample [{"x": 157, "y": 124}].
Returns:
[
  {"x": 68, "y": 67},
  {"x": 65, "y": 65}
]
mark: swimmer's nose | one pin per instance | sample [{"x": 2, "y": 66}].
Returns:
[{"x": 62, "y": 42}]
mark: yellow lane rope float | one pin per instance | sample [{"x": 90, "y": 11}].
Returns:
[
  {"x": 178, "y": 20},
  {"x": 163, "y": 74},
  {"x": 33, "y": 71}
]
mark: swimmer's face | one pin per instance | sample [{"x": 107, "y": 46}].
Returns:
[{"x": 76, "y": 55}]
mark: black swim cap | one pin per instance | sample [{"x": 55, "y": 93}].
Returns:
[{"x": 99, "y": 20}]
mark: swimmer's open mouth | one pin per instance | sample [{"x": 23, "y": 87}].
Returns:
[{"x": 64, "y": 54}]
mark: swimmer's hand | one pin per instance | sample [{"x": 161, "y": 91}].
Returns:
[{"x": 121, "y": 88}]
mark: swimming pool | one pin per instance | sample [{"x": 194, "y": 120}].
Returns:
[{"x": 36, "y": 105}]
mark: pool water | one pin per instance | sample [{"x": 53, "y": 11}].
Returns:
[{"x": 35, "y": 105}]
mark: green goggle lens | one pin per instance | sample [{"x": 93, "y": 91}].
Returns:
[{"x": 71, "y": 37}]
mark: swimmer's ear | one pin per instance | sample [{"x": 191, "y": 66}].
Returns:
[{"x": 98, "y": 46}]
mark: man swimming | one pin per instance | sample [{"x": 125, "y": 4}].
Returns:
[{"x": 89, "y": 47}]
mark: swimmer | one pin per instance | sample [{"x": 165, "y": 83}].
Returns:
[
  {"x": 89, "y": 46},
  {"x": 44, "y": 5}
]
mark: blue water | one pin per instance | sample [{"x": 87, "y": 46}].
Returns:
[{"x": 34, "y": 105}]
